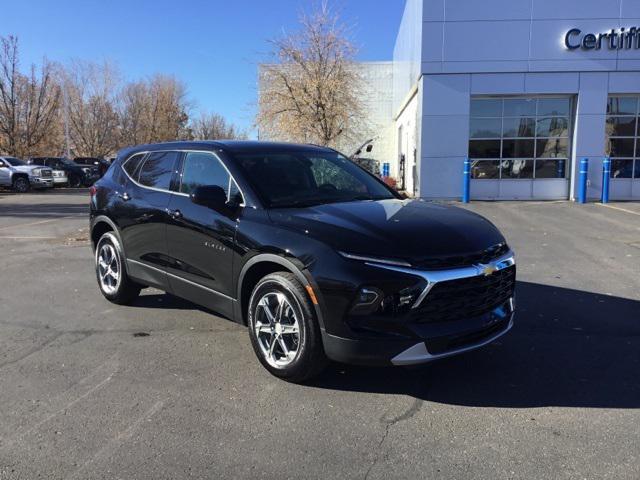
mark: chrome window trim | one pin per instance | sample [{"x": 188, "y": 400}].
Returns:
[
  {"x": 181, "y": 194},
  {"x": 433, "y": 277}
]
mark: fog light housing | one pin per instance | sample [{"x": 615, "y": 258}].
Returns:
[{"x": 367, "y": 301}]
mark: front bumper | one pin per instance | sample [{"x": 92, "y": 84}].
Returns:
[
  {"x": 41, "y": 182},
  {"x": 435, "y": 341},
  {"x": 453, "y": 311},
  {"x": 60, "y": 180}
]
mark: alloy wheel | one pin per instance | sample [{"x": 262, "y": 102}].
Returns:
[
  {"x": 21, "y": 185},
  {"x": 108, "y": 265},
  {"x": 277, "y": 329}
]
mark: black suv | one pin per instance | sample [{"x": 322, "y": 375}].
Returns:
[
  {"x": 76, "y": 175},
  {"x": 91, "y": 168},
  {"x": 319, "y": 258}
]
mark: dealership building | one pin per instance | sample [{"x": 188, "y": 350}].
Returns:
[{"x": 525, "y": 89}]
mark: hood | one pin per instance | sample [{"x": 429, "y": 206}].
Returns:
[
  {"x": 412, "y": 230},
  {"x": 28, "y": 168}
]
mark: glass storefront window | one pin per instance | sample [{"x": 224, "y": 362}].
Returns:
[
  {"x": 517, "y": 168},
  {"x": 623, "y": 135},
  {"x": 485, "y": 169},
  {"x": 532, "y": 143},
  {"x": 486, "y": 127}
]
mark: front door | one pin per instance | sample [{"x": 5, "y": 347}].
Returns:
[{"x": 201, "y": 241}]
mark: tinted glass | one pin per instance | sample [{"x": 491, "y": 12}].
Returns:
[
  {"x": 621, "y": 168},
  {"x": 621, "y": 126},
  {"x": 486, "y": 108},
  {"x": 553, "y": 127},
  {"x": 519, "y": 127},
  {"x": 622, "y": 106},
  {"x": 521, "y": 107},
  {"x": 157, "y": 169},
  {"x": 309, "y": 178},
  {"x": 517, "y": 148},
  {"x": 551, "y": 168},
  {"x": 552, "y": 148},
  {"x": 484, "y": 149},
  {"x": 554, "y": 106},
  {"x": 485, "y": 169},
  {"x": 15, "y": 161},
  {"x": 485, "y": 127},
  {"x": 517, "y": 169},
  {"x": 132, "y": 166},
  {"x": 203, "y": 169},
  {"x": 621, "y": 147}
]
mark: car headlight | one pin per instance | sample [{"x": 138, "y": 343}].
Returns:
[
  {"x": 385, "y": 261},
  {"x": 37, "y": 172}
]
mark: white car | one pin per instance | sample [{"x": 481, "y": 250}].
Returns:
[
  {"x": 60, "y": 178},
  {"x": 16, "y": 174}
]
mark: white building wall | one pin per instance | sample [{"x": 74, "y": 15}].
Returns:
[{"x": 512, "y": 47}]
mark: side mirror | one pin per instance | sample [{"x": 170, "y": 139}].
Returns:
[{"x": 210, "y": 196}]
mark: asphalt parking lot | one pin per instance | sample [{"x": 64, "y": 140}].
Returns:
[{"x": 86, "y": 393}]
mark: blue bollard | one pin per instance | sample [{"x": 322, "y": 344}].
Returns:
[
  {"x": 385, "y": 169},
  {"x": 606, "y": 177},
  {"x": 466, "y": 180},
  {"x": 582, "y": 185}
]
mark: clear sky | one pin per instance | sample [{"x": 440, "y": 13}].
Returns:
[{"x": 213, "y": 46}]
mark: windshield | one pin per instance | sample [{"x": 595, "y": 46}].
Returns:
[
  {"x": 309, "y": 178},
  {"x": 15, "y": 162}
]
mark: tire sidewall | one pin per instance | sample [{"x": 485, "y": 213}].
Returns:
[
  {"x": 23, "y": 181},
  {"x": 301, "y": 307},
  {"x": 113, "y": 240}
]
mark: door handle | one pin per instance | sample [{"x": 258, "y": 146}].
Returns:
[
  {"x": 175, "y": 214},
  {"x": 124, "y": 196}
]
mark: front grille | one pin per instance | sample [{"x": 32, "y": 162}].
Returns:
[
  {"x": 467, "y": 297},
  {"x": 46, "y": 173},
  {"x": 455, "y": 261}
]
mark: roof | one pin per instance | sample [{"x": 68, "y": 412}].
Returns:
[{"x": 232, "y": 146}]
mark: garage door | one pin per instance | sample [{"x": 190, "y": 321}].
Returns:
[
  {"x": 520, "y": 147},
  {"x": 623, "y": 146}
]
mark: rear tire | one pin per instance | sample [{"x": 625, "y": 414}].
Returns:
[
  {"x": 21, "y": 184},
  {"x": 284, "y": 330},
  {"x": 111, "y": 272}
]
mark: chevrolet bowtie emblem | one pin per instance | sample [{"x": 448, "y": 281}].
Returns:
[{"x": 487, "y": 270}]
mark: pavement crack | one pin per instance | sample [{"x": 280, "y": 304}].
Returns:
[{"x": 390, "y": 422}]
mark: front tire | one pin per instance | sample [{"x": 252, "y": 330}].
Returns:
[
  {"x": 283, "y": 328},
  {"x": 21, "y": 184},
  {"x": 114, "y": 283}
]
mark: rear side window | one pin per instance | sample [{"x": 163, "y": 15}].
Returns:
[
  {"x": 157, "y": 170},
  {"x": 132, "y": 166}
]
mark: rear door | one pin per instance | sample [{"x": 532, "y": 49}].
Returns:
[
  {"x": 201, "y": 241},
  {"x": 144, "y": 209}
]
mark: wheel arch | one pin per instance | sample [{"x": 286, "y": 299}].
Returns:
[
  {"x": 263, "y": 264},
  {"x": 101, "y": 225}
]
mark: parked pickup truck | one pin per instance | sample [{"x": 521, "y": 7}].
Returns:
[{"x": 20, "y": 176}]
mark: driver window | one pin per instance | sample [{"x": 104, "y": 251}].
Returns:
[{"x": 203, "y": 169}]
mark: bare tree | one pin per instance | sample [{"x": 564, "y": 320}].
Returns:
[
  {"x": 28, "y": 103},
  {"x": 154, "y": 110},
  {"x": 91, "y": 94},
  {"x": 311, "y": 91},
  {"x": 214, "y": 126}
]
